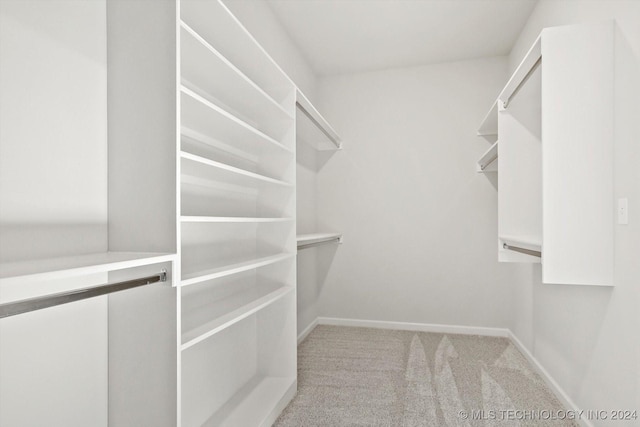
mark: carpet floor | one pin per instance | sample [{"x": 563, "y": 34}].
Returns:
[{"x": 372, "y": 377}]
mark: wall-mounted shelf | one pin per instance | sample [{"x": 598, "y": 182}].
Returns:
[
  {"x": 312, "y": 128},
  {"x": 12, "y": 273},
  {"x": 530, "y": 62},
  {"x": 489, "y": 160},
  {"x": 489, "y": 125},
  {"x": 317, "y": 239}
]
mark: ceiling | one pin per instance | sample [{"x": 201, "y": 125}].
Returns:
[{"x": 349, "y": 36}]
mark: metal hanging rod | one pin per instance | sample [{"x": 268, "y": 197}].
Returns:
[
  {"x": 318, "y": 125},
  {"x": 322, "y": 242},
  {"x": 524, "y": 80},
  {"x": 487, "y": 163},
  {"x": 522, "y": 250},
  {"x": 38, "y": 303}
]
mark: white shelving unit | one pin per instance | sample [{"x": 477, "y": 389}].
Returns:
[
  {"x": 237, "y": 343},
  {"x": 555, "y": 120},
  {"x": 230, "y": 111}
]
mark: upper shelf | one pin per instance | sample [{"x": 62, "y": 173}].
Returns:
[
  {"x": 316, "y": 239},
  {"x": 532, "y": 59},
  {"x": 213, "y": 21},
  {"x": 489, "y": 160},
  {"x": 489, "y": 125},
  {"x": 312, "y": 128},
  {"x": 59, "y": 268}
]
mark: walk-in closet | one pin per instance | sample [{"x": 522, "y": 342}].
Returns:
[{"x": 299, "y": 213}]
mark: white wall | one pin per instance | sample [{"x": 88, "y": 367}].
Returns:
[
  {"x": 419, "y": 223},
  {"x": 53, "y": 202},
  {"x": 53, "y": 114},
  {"x": 587, "y": 337}
]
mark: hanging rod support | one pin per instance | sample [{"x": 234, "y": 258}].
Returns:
[{"x": 524, "y": 80}]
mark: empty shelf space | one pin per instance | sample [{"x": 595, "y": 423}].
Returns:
[
  {"x": 312, "y": 128},
  {"x": 210, "y": 170},
  {"x": 229, "y": 269},
  {"x": 255, "y": 403},
  {"x": 316, "y": 239},
  {"x": 489, "y": 160},
  {"x": 225, "y": 312},
  {"x": 489, "y": 125},
  {"x": 205, "y": 68},
  {"x": 232, "y": 219},
  {"x": 217, "y": 25},
  {"x": 199, "y": 116},
  {"x": 58, "y": 268}
]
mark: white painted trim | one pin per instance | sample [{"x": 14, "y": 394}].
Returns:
[
  {"x": 422, "y": 327},
  {"x": 302, "y": 335},
  {"x": 562, "y": 396}
]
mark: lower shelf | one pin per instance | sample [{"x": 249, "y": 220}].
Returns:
[
  {"x": 230, "y": 310},
  {"x": 258, "y": 403}
]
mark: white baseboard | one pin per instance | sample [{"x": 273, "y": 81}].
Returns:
[
  {"x": 422, "y": 327},
  {"x": 302, "y": 335},
  {"x": 563, "y": 397}
]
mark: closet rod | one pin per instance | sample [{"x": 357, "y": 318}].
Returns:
[
  {"x": 318, "y": 125},
  {"x": 524, "y": 80},
  {"x": 488, "y": 162},
  {"x": 38, "y": 303},
  {"x": 522, "y": 250},
  {"x": 322, "y": 242}
]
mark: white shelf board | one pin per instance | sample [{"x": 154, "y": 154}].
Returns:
[
  {"x": 231, "y": 310},
  {"x": 315, "y": 239},
  {"x": 201, "y": 117},
  {"x": 489, "y": 160},
  {"x": 199, "y": 61},
  {"x": 59, "y": 268},
  {"x": 533, "y": 243},
  {"x": 220, "y": 28},
  {"x": 527, "y": 64},
  {"x": 229, "y": 269},
  {"x": 312, "y": 128},
  {"x": 210, "y": 170},
  {"x": 258, "y": 403},
  {"x": 229, "y": 219},
  {"x": 489, "y": 125}
]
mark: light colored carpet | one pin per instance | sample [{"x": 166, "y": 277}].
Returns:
[{"x": 372, "y": 377}]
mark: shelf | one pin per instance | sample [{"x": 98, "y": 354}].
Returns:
[
  {"x": 489, "y": 160},
  {"x": 489, "y": 125},
  {"x": 520, "y": 75},
  {"x": 199, "y": 61},
  {"x": 217, "y": 25},
  {"x": 531, "y": 243},
  {"x": 59, "y": 268},
  {"x": 229, "y": 219},
  {"x": 227, "y": 270},
  {"x": 312, "y": 128},
  {"x": 210, "y": 170},
  {"x": 204, "y": 121},
  {"x": 316, "y": 239},
  {"x": 256, "y": 404},
  {"x": 231, "y": 310}
]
